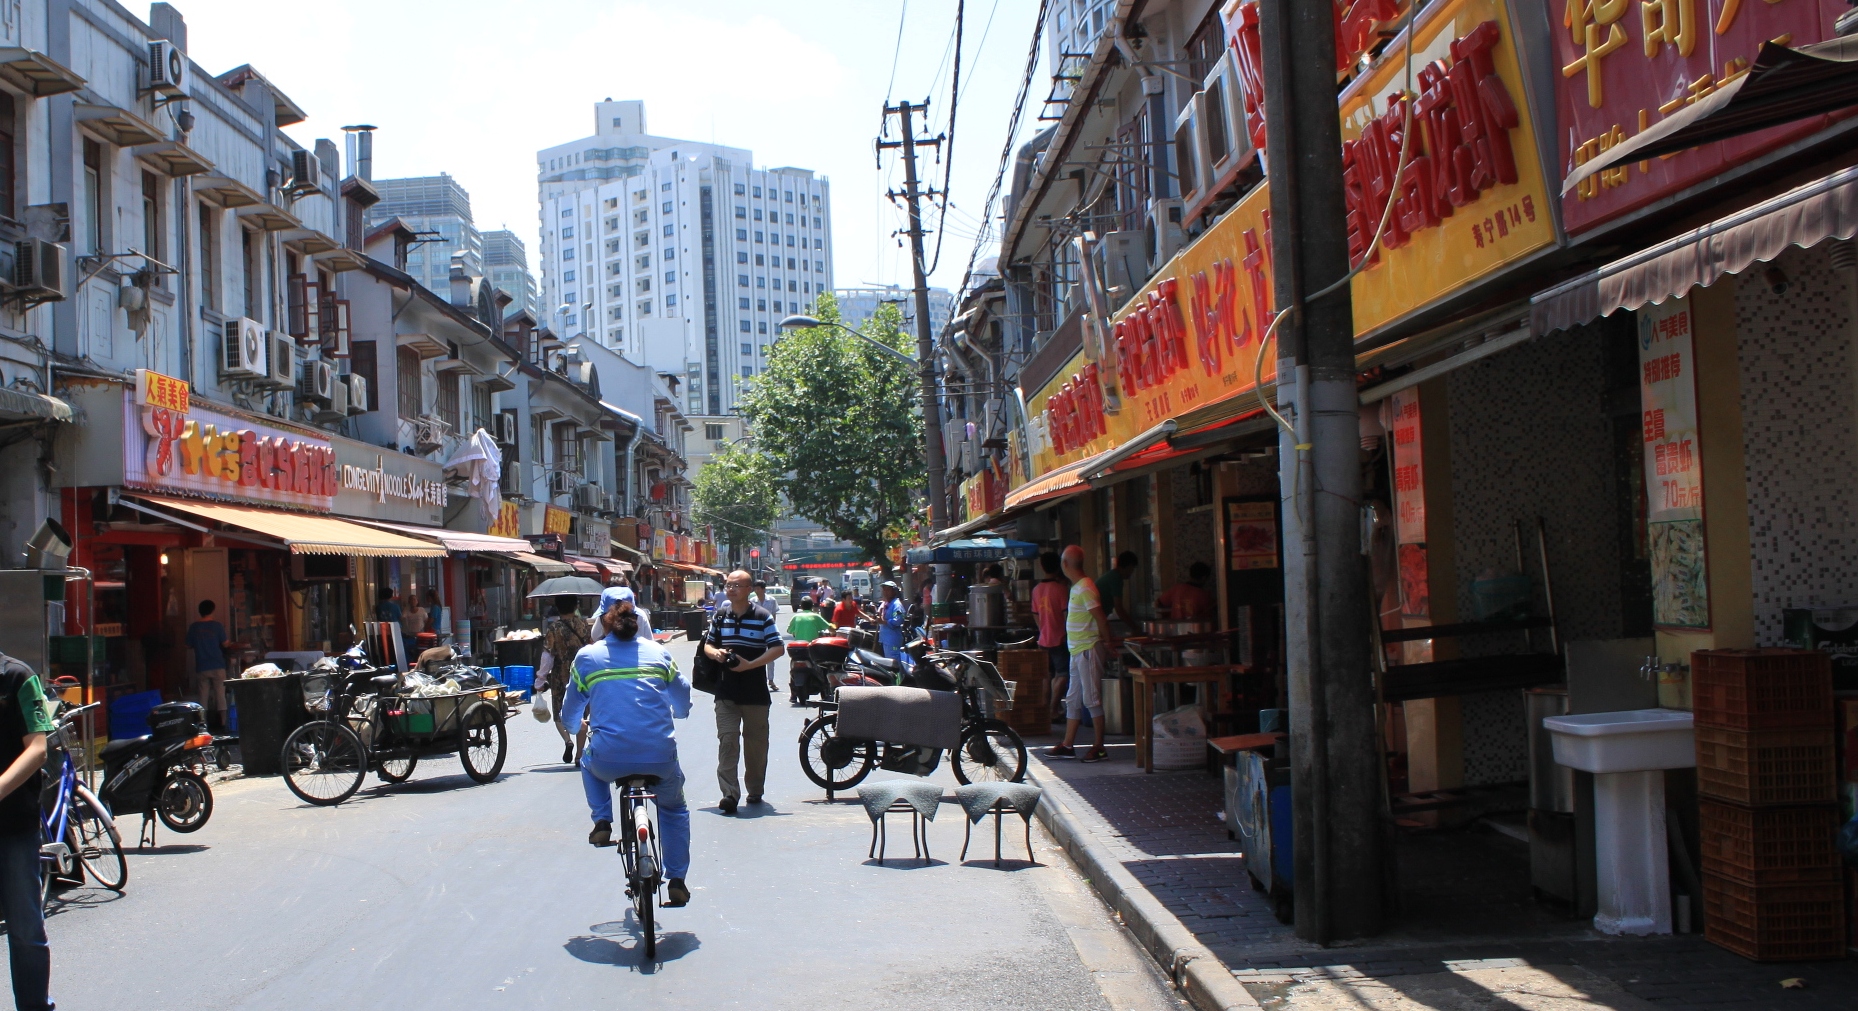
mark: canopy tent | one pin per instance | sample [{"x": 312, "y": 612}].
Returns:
[{"x": 985, "y": 546}]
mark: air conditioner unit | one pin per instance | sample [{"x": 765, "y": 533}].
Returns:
[
  {"x": 243, "y": 353},
  {"x": 505, "y": 424},
  {"x": 560, "y": 482},
  {"x": 588, "y": 497},
  {"x": 357, "y": 394},
  {"x": 167, "y": 67},
  {"x": 1122, "y": 263},
  {"x": 1189, "y": 159},
  {"x": 337, "y": 408},
  {"x": 1164, "y": 237},
  {"x": 282, "y": 360},
  {"x": 316, "y": 382},
  {"x": 39, "y": 269},
  {"x": 306, "y": 172},
  {"x": 1224, "y": 138}
]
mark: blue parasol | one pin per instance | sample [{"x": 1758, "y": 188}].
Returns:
[{"x": 984, "y": 546}]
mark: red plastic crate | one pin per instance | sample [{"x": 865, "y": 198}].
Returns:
[
  {"x": 1761, "y": 689},
  {"x": 1774, "y": 923},
  {"x": 1762, "y": 767},
  {"x": 1770, "y": 845}
]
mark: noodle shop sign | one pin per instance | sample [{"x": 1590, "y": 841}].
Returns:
[{"x": 169, "y": 445}]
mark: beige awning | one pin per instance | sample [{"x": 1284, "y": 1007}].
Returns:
[
  {"x": 304, "y": 534},
  {"x": 459, "y": 540},
  {"x": 1826, "y": 208},
  {"x": 546, "y": 566}
]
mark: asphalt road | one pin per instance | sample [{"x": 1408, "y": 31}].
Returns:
[{"x": 439, "y": 893}]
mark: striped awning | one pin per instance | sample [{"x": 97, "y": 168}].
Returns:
[{"x": 303, "y": 534}]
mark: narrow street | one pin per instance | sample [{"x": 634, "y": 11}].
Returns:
[{"x": 441, "y": 894}]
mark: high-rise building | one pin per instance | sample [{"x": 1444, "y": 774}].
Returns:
[
  {"x": 439, "y": 209},
  {"x": 506, "y": 265},
  {"x": 857, "y": 305},
  {"x": 679, "y": 254}
]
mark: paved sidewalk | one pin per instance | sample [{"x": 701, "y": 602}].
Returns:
[{"x": 1469, "y": 934}]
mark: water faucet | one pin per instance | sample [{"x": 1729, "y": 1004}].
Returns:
[{"x": 1650, "y": 668}]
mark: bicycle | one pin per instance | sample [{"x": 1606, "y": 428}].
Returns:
[
  {"x": 639, "y": 852},
  {"x": 89, "y": 839}
]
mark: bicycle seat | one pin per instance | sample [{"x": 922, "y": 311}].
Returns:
[
  {"x": 646, "y": 782},
  {"x": 384, "y": 682}
]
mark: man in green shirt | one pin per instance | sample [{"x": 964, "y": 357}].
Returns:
[
  {"x": 23, "y": 726},
  {"x": 806, "y": 624},
  {"x": 1114, "y": 583}
]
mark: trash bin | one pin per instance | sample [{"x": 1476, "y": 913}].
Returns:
[
  {"x": 269, "y": 709},
  {"x": 519, "y": 652},
  {"x": 695, "y": 622}
]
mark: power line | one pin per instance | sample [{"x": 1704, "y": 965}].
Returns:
[
  {"x": 1006, "y": 149},
  {"x": 948, "y": 152}
]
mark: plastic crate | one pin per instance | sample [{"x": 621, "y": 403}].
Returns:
[
  {"x": 519, "y": 680},
  {"x": 1761, "y": 689},
  {"x": 1760, "y": 767},
  {"x": 129, "y": 714},
  {"x": 1774, "y": 923},
  {"x": 1770, "y": 845}
]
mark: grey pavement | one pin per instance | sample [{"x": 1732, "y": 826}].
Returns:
[{"x": 439, "y": 893}]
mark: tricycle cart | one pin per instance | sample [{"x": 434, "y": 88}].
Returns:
[{"x": 360, "y": 723}]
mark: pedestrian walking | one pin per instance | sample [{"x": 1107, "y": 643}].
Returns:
[
  {"x": 210, "y": 642},
  {"x": 1048, "y": 605},
  {"x": 742, "y": 638},
  {"x": 23, "y": 726},
  {"x": 1087, "y": 635},
  {"x": 562, "y": 639}
]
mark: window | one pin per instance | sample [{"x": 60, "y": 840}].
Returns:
[
  {"x": 615, "y": 291},
  {"x": 741, "y": 257},
  {"x": 567, "y": 212},
  {"x": 761, "y": 304},
  {"x": 642, "y": 240},
  {"x": 670, "y": 300},
  {"x": 761, "y": 282},
  {"x": 748, "y": 372},
  {"x": 612, "y": 246},
  {"x": 757, "y": 191},
  {"x": 567, "y": 233},
  {"x": 668, "y": 231},
  {"x": 407, "y": 368},
  {"x": 569, "y": 297},
  {"x": 250, "y": 272},
  {"x": 151, "y": 215},
  {"x": 712, "y": 432},
  {"x": 761, "y": 260},
  {"x": 669, "y": 254},
  {"x": 740, "y": 211},
  {"x": 209, "y": 258},
  {"x": 638, "y": 196},
  {"x": 741, "y": 280},
  {"x": 645, "y": 307},
  {"x": 757, "y": 214},
  {"x": 612, "y": 224},
  {"x": 670, "y": 277},
  {"x": 742, "y": 325},
  {"x": 790, "y": 219},
  {"x": 611, "y": 203},
  {"x": 642, "y": 284},
  {"x": 816, "y": 223},
  {"x": 743, "y": 303},
  {"x": 643, "y": 261},
  {"x": 790, "y": 241},
  {"x": 790, "y": 285},
  {"x": 761, "y": 328},
  {"x": 568, "y": 253},
  {"x": 615, "y": 335},
  {"x": 819, "y": 244},
  {"x": 666, "y": 186},
  {"x": 790, "y": 263},
  {"x": 819, "y": 266},
  {"x": 641, "y": 216},
  {"x": 666, "y": 209},
  {"x": 741, "y": 235},
  {"x": 790, "y": 196},
  {"x": 747, "y": 349},
  {"x": 480, "y": 405},
  {"x": 764, "y": 351},
  {"x": 739, "y": 189},
  {"x": 617, "y": 312},
  {"x": 808, "y": 289},
  {"x": 567, "y": 449},
  {"x": 568, "y": 276}
]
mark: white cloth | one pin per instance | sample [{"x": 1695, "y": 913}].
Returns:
[{"x": 480, "y": 463}]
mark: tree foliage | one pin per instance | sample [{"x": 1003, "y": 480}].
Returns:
[
  {"x": 737, "y": 493},
  {"x": 839, "y": 424}
]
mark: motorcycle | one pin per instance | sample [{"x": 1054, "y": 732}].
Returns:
[{"x": 154, "y": 775}]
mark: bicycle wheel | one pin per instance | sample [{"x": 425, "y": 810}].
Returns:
[
  {"x": 834, "y": 762},
  {"x": 323, "y": 762},
  {"x": 97, "y": 842},
  {"x": 398, "y": 769},
  {"x": 184, "y": 802},
  {"x": 990, "y": 752},
  {"x": 481, "y": 744}
]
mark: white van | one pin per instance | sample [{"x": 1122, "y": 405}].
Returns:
[{"x": 858, "y": 581}]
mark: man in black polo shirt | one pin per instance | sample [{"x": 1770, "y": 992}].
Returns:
[
  {"x": 23, "y": 726},
  {"x": 742, "y": 637}
]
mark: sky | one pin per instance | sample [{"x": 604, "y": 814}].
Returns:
[{"x": 475, "y": 88}]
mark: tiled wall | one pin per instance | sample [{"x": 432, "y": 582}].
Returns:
[{"x": 1798, "y": 436}]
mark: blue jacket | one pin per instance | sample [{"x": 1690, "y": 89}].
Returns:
[
  {"x": 890, "y": 628},
  {"x": 632, "y": 690}
]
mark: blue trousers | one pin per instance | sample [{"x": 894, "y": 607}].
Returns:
[
  {"x": 597, "y": 779},
  {"x": 29, "y": 953}
]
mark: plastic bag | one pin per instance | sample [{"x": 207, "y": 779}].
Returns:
[
  {"x": 538, "y": 707},
  {"x": 1183, "y": 721},
  {"x": 1179, "y": 738}
]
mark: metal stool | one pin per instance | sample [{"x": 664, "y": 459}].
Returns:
[
  {"x": 978, "y": 800},
  {"x": 918, "y": 798}
]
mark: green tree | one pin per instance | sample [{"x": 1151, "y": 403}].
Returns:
[
  {"x": 839, "y": 423},
  {"x": 736, "y": 493}
]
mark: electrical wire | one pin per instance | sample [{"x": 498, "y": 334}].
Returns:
[
  {"x": 948, "y": 150},
  {"x": 1006, "y": 149}
]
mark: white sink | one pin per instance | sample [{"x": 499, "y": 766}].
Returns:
[{"x": 1636, "y": 740}]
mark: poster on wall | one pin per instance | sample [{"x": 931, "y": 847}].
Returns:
[
  {"x": 1673, "y": 465},
  {"x": 1251, "y": 535}
]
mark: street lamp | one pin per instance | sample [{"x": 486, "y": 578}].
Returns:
[{"x": 805, "y": 322}]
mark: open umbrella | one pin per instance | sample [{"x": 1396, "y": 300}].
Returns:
[
  {"x": 564, "y": 586},
  {"x": 984, "y": 546}
]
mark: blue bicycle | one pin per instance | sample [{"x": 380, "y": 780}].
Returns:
[{"x": 80, "y": 836}]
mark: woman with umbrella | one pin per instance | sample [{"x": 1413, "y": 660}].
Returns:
[{"x": 563, "y": 636}]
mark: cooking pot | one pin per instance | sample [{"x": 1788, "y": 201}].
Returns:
[{"x": 986, "y": 606}]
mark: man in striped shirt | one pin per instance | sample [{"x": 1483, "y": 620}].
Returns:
[
  {"x": 742, "y": 637},
  {"x": 630, "y": 690},
  {"x": 1087, "y": 634}
]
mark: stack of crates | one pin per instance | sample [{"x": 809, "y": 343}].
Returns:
[
  {"x": 1765, "y": 775},
  {"x": 1030, "y": 712},
  {"x": 519, "y": 679}
]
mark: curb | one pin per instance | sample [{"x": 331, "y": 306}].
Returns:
[{"x": 1195, "y": 970}]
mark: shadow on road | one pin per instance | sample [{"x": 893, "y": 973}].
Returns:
[
  {"x": 79, "y": 897},
  {"x": 601, "y": 947},
  {"x": 169, "y": 849},
  {"x": 905, "y": 863}
]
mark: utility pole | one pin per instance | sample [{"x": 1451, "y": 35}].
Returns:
[
  {"x": 925, "y": 341},
  {"x": 1335, "y": 760}
]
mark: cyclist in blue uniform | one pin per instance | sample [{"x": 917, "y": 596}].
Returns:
[{"x": 630, "y": 690}]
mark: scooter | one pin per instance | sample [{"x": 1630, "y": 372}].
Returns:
[{"x": 154, "y": 775}]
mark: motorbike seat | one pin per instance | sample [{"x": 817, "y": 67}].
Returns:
[
  {"x": 121, "y": 745},
  {"x": 876, "y": 661}
]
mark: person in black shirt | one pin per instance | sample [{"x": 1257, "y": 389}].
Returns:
[
  {"x": 743, "y": 638},
  {"x": 23, "y": 726}
]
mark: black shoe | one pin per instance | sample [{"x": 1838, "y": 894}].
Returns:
[
  {"x": 677, "y": 894},
  {"x": 602, "y": 835},
  {"x": 754, "y": 801},
  {"x": 567, "y": 753},
  {"x": 727, "y": 804}
]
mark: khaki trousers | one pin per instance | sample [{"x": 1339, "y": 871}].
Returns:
[{"x": 733, "y": 724}]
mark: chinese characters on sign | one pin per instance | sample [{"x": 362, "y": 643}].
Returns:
[
  {"x": 1251, "y": 536},
  {"x": 508, "y": 522},
  {"x": 1409, "y": 476},
  {"x": 170, "y": 447},
  {"x": 1623, "y": 65},
  {"x": 556, "y": 520},
  {"x": 1673, "y": 465}
]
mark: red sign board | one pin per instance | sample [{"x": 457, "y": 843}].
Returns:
[{"x": 1623, "y": 65}]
